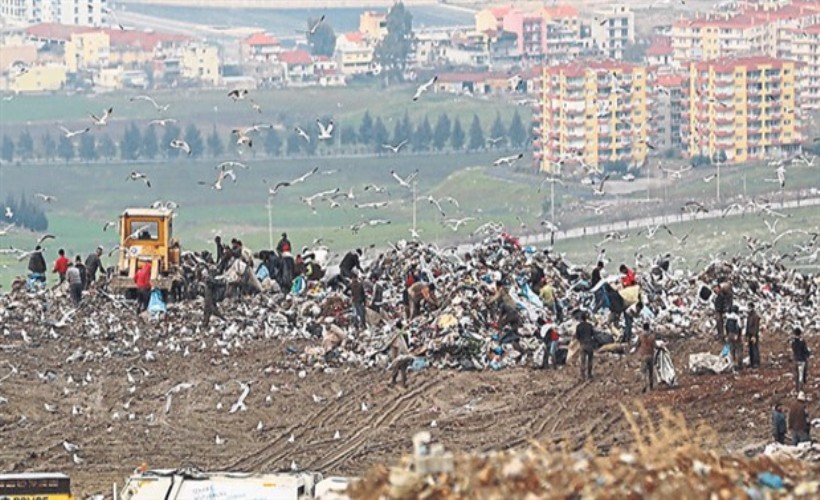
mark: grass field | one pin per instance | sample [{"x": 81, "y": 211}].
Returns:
[
  {"x": 90, "y": 195},
  {"x": 706, "y": 238},
  {"x": 205, "y": 107}
]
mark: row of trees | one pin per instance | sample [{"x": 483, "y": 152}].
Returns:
[
  {"x": 371, "y": 135},
  {"x": 25, "y": 213}
]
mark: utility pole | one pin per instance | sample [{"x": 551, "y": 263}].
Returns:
[
  {"x": 414, "y": 205},
  {"x": 269, "y": 206},
  {"x": 717, "y": 180},
  {"x": 552, "y": 202}
]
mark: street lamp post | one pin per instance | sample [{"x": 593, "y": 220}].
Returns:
[{"x": 269, "y": 206}]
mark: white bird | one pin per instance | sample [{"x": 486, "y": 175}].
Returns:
[
  {"x": 395, "y": 148},
  {"x": 139, "y": 176},
  {"x": 599, "y": 189},
  {"x": 304, "y": 135},
  {"x": 309, "y": 200},
  {"x": 375, "y": 188},
  {"x": 45, "y": 237},
  {"x": 259, "y": 426},
  {"x": 101, "y": 121},
  {"x": 374, "y": 205},
  {"x": 219, "y": 441},
  {"x": 5, "y": 231},
  {"x": 312, "y": 28},
  {"x": 240, "y": 403},
  {"x": 405, "y": 182},
  {"x": 508, "y": 160},
  {"x": 70, "y": 447},
  {"x": 454, "y": 224},
  {"x": 771, "y": 227},
  {"x": 76, "y": 459},
  {"x": 256, "y": 107},
  {"x": 162, "y": 121},
  {"x": 9, "y": 213},
  {"x": 152, "y": 101},
  {"x": 221, "y": 175},
  {"x": 224, "y": 165},
  {"x": 317, "y": 399},
  {"x": 337, "y": 435},
  {"x": 181, "y": 145},
  {"x": 46, "y": 198},
  {"x": 294, "y": 466},
  {"x": 238, "y": 94},
  {"x": 68, "y": 134},
  {"x": 292, "y": 438},
  {"x": 424, "y": 87},
  {"x": 325, "y": 131},
  {"x": 50, "y": 407},
  {"x": 364, "y": 406}
]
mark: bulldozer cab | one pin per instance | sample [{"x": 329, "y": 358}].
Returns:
[{"x": 146, "y": 236}]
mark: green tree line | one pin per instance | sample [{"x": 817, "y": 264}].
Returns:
[
  {"x": 370, "y": 135},
  {"x": 24, "y": 213}
]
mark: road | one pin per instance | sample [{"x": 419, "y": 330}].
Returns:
[{"x": 626, "y": 225}]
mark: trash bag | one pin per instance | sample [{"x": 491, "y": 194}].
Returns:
[
  {"x": 603, "y": 338},
  {"x": 664, "y": 369},
  {"x": 262, "y": 272},
  {"x": 419, "y": 364},
  {"x": 298, "y": 286},
  {"x": 631, "y": 295},
  {"x": 726, "y": 352},
  {"x": 704, "y": 362},
  {"x": 155, "y": 304}
]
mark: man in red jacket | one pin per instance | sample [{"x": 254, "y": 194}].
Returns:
[
  {"x": 61, "y": 265},
  {"x": 627, "y": 276},
  {"x": 143, "y": 280}
]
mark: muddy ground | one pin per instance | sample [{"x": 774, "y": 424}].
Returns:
[{"x": 472, "y": 410}]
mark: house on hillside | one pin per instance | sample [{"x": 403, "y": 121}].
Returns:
[{"x": 297, "y": 68}]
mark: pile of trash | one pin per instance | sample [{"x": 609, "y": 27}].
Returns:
[
  {"x": 458, "y": 332},
  {"x": 667, "y": 461}
]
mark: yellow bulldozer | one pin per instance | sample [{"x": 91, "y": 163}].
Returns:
[{"x": 146, "y": 236}]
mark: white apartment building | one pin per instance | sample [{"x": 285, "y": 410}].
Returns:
[{"x": 68, "y": 12}]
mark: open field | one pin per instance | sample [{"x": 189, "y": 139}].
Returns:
[
  {"x": 205, "y": 107},
  {"x": 484, "y": 193},
  {"x": 475, "y": 411}
]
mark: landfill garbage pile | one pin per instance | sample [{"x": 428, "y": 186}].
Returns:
[
  {"x": 458, "y": 331},
  {"x": 668, "y": 460}
]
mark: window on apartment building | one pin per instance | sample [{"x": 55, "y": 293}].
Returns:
[{"x": 739, "y": 152}]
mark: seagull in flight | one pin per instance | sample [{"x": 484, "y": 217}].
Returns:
[
  {"x": 312, "y": 28},
  {"x": 238, "y": 94},
  {"x": 405, "y": 183},
  {"x": 139, "y": 176},
  {"x": 599, "y": 189},
  {"x": 102, "y": 121},
  {"x": 68, "y": 134},
  {"x": 221, "y": 175},
  {"x": 454, "y": 224},
  {"x": 9, "y": 214},
  {"x": 45, "y": 197},
  {"x": 304, "y": 135},
  {"x": 302, "y": 178},
  {"x": 162, "y": 122},
  {"x": 150, "y": 99},
  {"x": 396, "y": 148},
  {"x": 325, "y": 131},
  {"x": 181, "y": 145},
  {"x": 424, "y": 87},
  {"x": 508, "y": 160},
  {"x": 677, "y": 174},
  {"x": 437, "y": 203},
  {"x": 5, "y": 231},
  {"x": 375, "y": 188}
]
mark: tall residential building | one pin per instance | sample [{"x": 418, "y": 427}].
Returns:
[
  {"x": 529, "y": 28},
  {"x": 491, "y": 18},
  {"x": 592, "y": 111},
  {"x": 373, "y": 24},
  {"x": 667, "y": 108},
  {"x": 742, "y": 108},
  {"x": 806, "y": 51},
  {"x": 757, "y": 29},
  {"x": 68, "y": 12},
  {"x": 353, "y": 54},
  {"x": 613, "y": 28}
]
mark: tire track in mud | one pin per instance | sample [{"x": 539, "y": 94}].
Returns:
[
  {"x": 258, "y": 458},
  {"x": 394, "y": 411},
  {"x": 533, "y": 432}
]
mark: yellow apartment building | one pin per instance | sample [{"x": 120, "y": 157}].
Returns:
[
  {"x": 591, "y": 111},
  {"x": 742, "y": 108}
]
